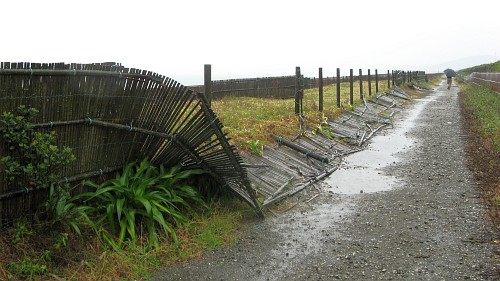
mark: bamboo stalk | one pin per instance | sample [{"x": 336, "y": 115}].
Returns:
[
  {"x": 300, "y": 187},
  {"x": 300, "y": 149}
]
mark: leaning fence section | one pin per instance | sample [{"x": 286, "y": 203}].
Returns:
[{"x": 111, "y": 115}]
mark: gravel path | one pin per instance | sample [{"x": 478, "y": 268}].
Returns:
[{"x": 430, "y": 226}]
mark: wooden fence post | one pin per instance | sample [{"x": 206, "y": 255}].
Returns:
[
  {"x": 298, "y": 92},
  {"x": 351, "y": 94},
  {"x": 320, "y": 84},
  {"x": 208, "y": 83},
  {"x": 369, "y": 83},
  {"x": 388, "y": 79},
  {"x": 360, "y": 83},
  {"x": 376, "y": 81},
  {"x": 338, "y": 87}
]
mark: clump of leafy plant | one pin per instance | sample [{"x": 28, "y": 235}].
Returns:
[
  {"x": 255, "y": 147},
  {"x": 32, "y": 154},
  {"x": 61, "y": 207},
  {"x": 27, "y": 269},
  {"x": 142, "y": 197},
  {"x": 20, "y": 231}
]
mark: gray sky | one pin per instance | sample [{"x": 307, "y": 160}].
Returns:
[{"x": 252, "y": 38}]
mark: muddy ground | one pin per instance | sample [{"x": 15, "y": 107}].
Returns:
[{"x": 427, "y": 224}]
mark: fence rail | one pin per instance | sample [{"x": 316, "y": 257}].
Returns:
[
  {"x": 111, "y": 115},
  {"x": 281, "y": 87}
]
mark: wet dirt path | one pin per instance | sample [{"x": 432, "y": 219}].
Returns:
[{"x": 418, "y": 217}]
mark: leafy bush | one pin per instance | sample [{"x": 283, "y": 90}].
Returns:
[
  {"x": 34, "y": 161},
  {"x": 33, "y": 154},
  {"x": 143, "y": 195}
]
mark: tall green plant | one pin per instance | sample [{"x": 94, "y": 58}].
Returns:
[{"x": 143, "y": 195}]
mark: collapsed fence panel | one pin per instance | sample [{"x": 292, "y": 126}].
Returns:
[{"x": 111, "y": 115}]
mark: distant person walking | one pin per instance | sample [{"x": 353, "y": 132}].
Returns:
[
  {"x": 450, "y": 80},
  {"x": 450, "y": 73}
]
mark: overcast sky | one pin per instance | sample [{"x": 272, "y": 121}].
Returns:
[{"x": 252, "y": 38}]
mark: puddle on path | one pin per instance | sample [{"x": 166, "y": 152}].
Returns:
[
  {"x": 362, "y": 172},
  {"x": 304, "y": 233}
]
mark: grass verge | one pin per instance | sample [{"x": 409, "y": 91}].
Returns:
[
  {"x": 481, "y": 117},
  {"x": 31, "y": 252}
]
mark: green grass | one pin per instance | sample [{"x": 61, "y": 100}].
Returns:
[
  {"x": 485, "y": 105},
  {"x": 489, "y": 67},
  {"x": 248, "y": 120},
  {"x": 33, "y": 255}
]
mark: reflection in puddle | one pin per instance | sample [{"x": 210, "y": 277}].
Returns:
[{"x": 362, "y": 172}]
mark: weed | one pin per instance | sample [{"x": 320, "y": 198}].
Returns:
[
  {"x": 61, "y": 241},
  {"x": 20, "y": 231},
  {"x": 255, "y": 147},
  {"x": 27, "y": 269}
]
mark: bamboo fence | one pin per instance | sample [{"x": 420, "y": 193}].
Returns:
[
  {"x": 283, "y": 87},
  {"x": 111, "y": 115},
  {"x": 266, "y": 87}
]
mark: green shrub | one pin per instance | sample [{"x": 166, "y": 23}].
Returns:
[
  {"x": 33, "y": 154},
  {"x": 34, "y": 161}
]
